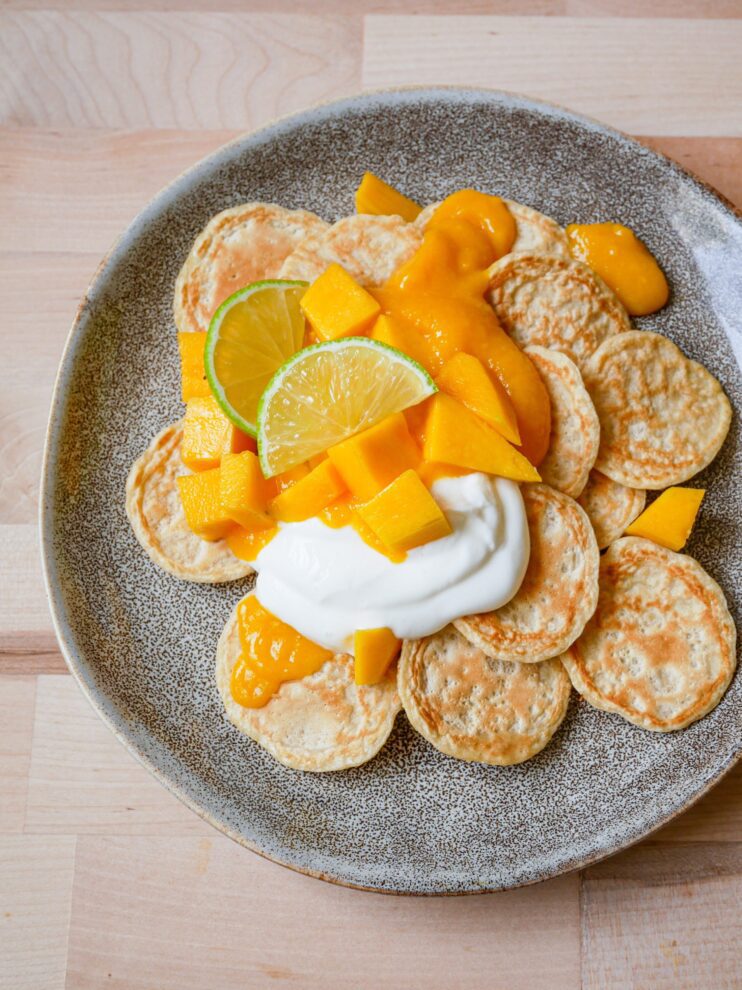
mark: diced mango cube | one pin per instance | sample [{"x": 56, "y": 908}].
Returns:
[
  {"x": 244, "y": 490},
  {"x": 337, "y": 306},
  {"x": 404, "y": 515},
  {"x": 200, "y": 495},
  {"x": 193, "y": 383},
  {"x": 247, "y": 543},
  {"x": 374, "y": 196},
  {"x": 208, "y": 434},
  {"x": 368, "y": 461},
  {"x": 670, "y": 518},
  {"x": 455, "y": 435},
  {"x": 394, "y": 333},
  {"x": 374, "y": 650},
  {"x": 288, "y": 478},
  {"x": 466, "y": 379},
  {"x": 310, "y": 495}
]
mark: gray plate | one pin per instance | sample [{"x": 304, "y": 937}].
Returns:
[{"x": 141, "y": 644}]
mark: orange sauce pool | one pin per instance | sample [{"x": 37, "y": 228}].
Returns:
[
  {"x": 441, "y": 293},
  {"x": 623, "y": 262},
  {"x": 272, "y": 652}
]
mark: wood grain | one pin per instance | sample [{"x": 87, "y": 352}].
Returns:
[
  {"x": 24, "y": 613},
  {"x": 82, "y": 780},
  {"x": 134, "y": 899},
  {"x": 17, "y": 700},
  {"x": 659, "y": 918},
  {"x": 177, "y": 69},
  {"x": 35, "y": 893},
  {"x": 682, "y": 78}
]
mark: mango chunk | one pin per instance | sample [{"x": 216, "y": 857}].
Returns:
[
  {"x": 466, "y": 379},
  {"x": 244, "y": 491},
  {"x": 455, "y": 435},
  {"x": 374, "y": 196},
  {"x": 288, "y": 478},
  {"x": 309, "y": 496},
  {"x": 404, "y": 515},
  {"x": 337, "y": 306},
  {"x": 368, "y": 461},
  {"x": 193, "y": 383},
  {"x": 392, "y": 332},
  {"x": 208, "y": 434},
  {"x": 374, "y": 650},
  {"x": 200, "y": 495},
  {"x": 670, "y": 518}
]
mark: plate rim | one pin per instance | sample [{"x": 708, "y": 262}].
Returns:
[{"x": 74, "y": 658}]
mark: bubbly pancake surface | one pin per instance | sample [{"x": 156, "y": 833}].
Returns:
[
  {"x": 238, "y": 246},
  {"x": 610, "y": 507},
  {"x": 663, "y": 418},
  {"x": 660, "y": 648},
  {"x": 556, "y": 303},
  {"x": 476, "y": 708},
  {"x": 575, "y": 430},
  {"x": 320, "y": 723},
  {"x": 156, "y": 515},
  {"x": 559, "y": 591},
  {"x": 370, "y": 248}
]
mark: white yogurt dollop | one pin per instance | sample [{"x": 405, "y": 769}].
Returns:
[{"x": 327, "y": 583}]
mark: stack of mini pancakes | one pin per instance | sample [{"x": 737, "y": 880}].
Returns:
[{"x": 639, "y": 630}]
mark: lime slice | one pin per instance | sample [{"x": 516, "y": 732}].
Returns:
[
  {"x": 250, "y": 336},
  {"x": 330, "y": 391}
]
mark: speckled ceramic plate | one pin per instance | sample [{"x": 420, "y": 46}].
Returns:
[{"x": 141, "y": 643}]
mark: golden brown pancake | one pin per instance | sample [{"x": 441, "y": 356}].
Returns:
[
  {"x": 559, "y": 591},
  {"x": 610, "y": 507},
  {"x": 660, "y": 648},
  {"x": 319, "y": 723},
  {"x": 238, "y": 246},
  {"x": 663, "y": 418},
  {"x": 156, "y": 515},
  {"x": 475, "y": 708}
]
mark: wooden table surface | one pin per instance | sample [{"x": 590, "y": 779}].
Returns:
[{"x": 105, "y": 879}]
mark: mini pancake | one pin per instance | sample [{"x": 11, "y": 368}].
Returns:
[
  {"x": 559, "y": 591},
  {"x": 575, "y": 430},
  {"x": 555, "y": 303},
  {"x": 663, "y": 418},
  {"x": 156, "y": 515},
  {"x": 238, "y": 246},
  {"x": 370, "y": 248},
  {"x": 475, "y": 708},
  {"x": 660, "y": 649},
  {"x": 319, "y": 723},
  {"x": 535, "y": 232},
  {"x": 610, "y": 507}
]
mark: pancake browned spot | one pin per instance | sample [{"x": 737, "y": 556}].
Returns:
[
  {"x": 660, "y": 648},
  {"x": 318, "y": 723},
  {"x": 610, "y": 507},
  {"x": 238, "y": 246},
  {"x": 473, "y": 707},
  {"x": 559, "y": 591},
  {"x": 663, "y": 418},
  {"x": 156, "y": 515},
  {"x": 575, "y": 430},
  {"x": 370, "y": 248},
  {"x": 556, "y": 303}
]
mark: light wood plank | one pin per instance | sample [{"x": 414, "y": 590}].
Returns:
[
  {"x": 657, "y": 8},
  {"x": 715, "y": 818},
  {"x": 17, "y": 699},
  {"x": 179, "y": 69},
  {"x": 324, "y": 7},
  {"x": 717, "y": 161},
  {"x": 82, "y": 780},
  {"x": 646, "y": 76},
  {"x": 24, "y": 613},
  {"x": 177, "y": 914},
  {"x": 660, "y": 917},
  {"x": 35, "y": 894}
]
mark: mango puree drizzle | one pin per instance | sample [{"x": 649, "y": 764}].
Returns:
[{"x": 272, "y": 652}]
